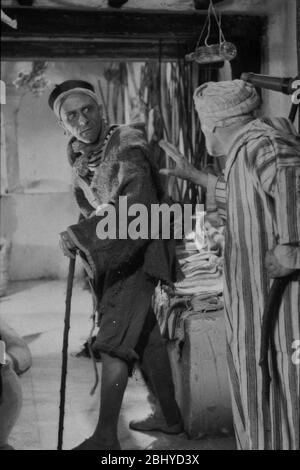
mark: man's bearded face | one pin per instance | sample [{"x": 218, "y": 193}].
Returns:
[
  {"x": 213, "y": 143},
  {"x": 82, "y": 117}
]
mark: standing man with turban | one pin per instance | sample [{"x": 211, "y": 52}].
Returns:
[
  {"x": 109, "y": 163},
  {"x": 260, "y": 201}
]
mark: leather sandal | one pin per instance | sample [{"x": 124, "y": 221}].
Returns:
[{"x": 151, "y": 423}]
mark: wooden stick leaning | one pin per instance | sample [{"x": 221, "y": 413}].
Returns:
[{"x": 65, "y": 353}]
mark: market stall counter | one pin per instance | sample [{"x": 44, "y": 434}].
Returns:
[{"x": 191, "y": 318}]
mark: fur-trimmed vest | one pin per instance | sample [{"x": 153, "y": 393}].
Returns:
[{"x": 125, "y": 169}]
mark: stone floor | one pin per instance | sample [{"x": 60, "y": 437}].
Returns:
[{"x": 36, "y": 311}]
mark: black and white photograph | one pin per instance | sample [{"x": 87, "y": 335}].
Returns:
[{"x": 150, "y": 228}]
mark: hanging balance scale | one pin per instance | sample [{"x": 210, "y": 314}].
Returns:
[{"x": 212, "y": 53}]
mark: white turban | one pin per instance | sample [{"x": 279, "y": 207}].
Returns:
[{"x": 221, "y": 104}]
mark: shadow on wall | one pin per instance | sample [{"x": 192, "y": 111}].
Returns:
[
  {"x": 37, "y": 262},
  {"x": 32, "y": 222}
]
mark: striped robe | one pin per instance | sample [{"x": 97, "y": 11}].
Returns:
[{"x": 260, "y": 199}]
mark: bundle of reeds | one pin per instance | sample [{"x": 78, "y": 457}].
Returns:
[
  {"x": 112, "y": 86},
  {"x": 160, "y": 94},
  {"x": 166, "y": 92}
]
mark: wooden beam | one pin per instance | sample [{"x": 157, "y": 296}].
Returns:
[
  {"x": 85, "y": 33},
  {"x": 62, "y": 49},
  {"x": 111, "y": 23},
  {"x": 204, "y": 4}
]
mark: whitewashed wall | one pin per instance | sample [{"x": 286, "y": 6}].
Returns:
[
  {"x": 33, "y": 223},
  {"x": 279, "y": 50},
  {"x": 280, "y": 53},
  {"x": 33, "y": 218}
]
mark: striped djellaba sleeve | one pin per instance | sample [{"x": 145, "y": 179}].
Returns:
[
  {"x": 216, "y": 198},
  {"x": 277, "y": 165}
]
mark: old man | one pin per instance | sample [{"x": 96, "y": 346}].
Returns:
[{"x": 109, "y": 162}]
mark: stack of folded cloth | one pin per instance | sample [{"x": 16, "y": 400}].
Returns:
[
  {"x": 171, "y": 312},
  {"x": 201, "y": 290},
  {"x": 201, "y": 262}
]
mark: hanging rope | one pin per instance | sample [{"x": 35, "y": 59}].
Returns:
[
  {"x": 211, "y": 11},
  {"x": 209, "y": 53}
]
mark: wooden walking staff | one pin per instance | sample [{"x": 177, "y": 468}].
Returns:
[{"x": 65, "y": 352}]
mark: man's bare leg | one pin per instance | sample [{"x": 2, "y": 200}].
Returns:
[
  {"x": 157, "y": 373},
  {"x": 156, "y": 370},
  {"x": 113, "y": 384}
]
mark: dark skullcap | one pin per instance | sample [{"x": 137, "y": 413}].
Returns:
[{"x": 60, "y": 92}]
